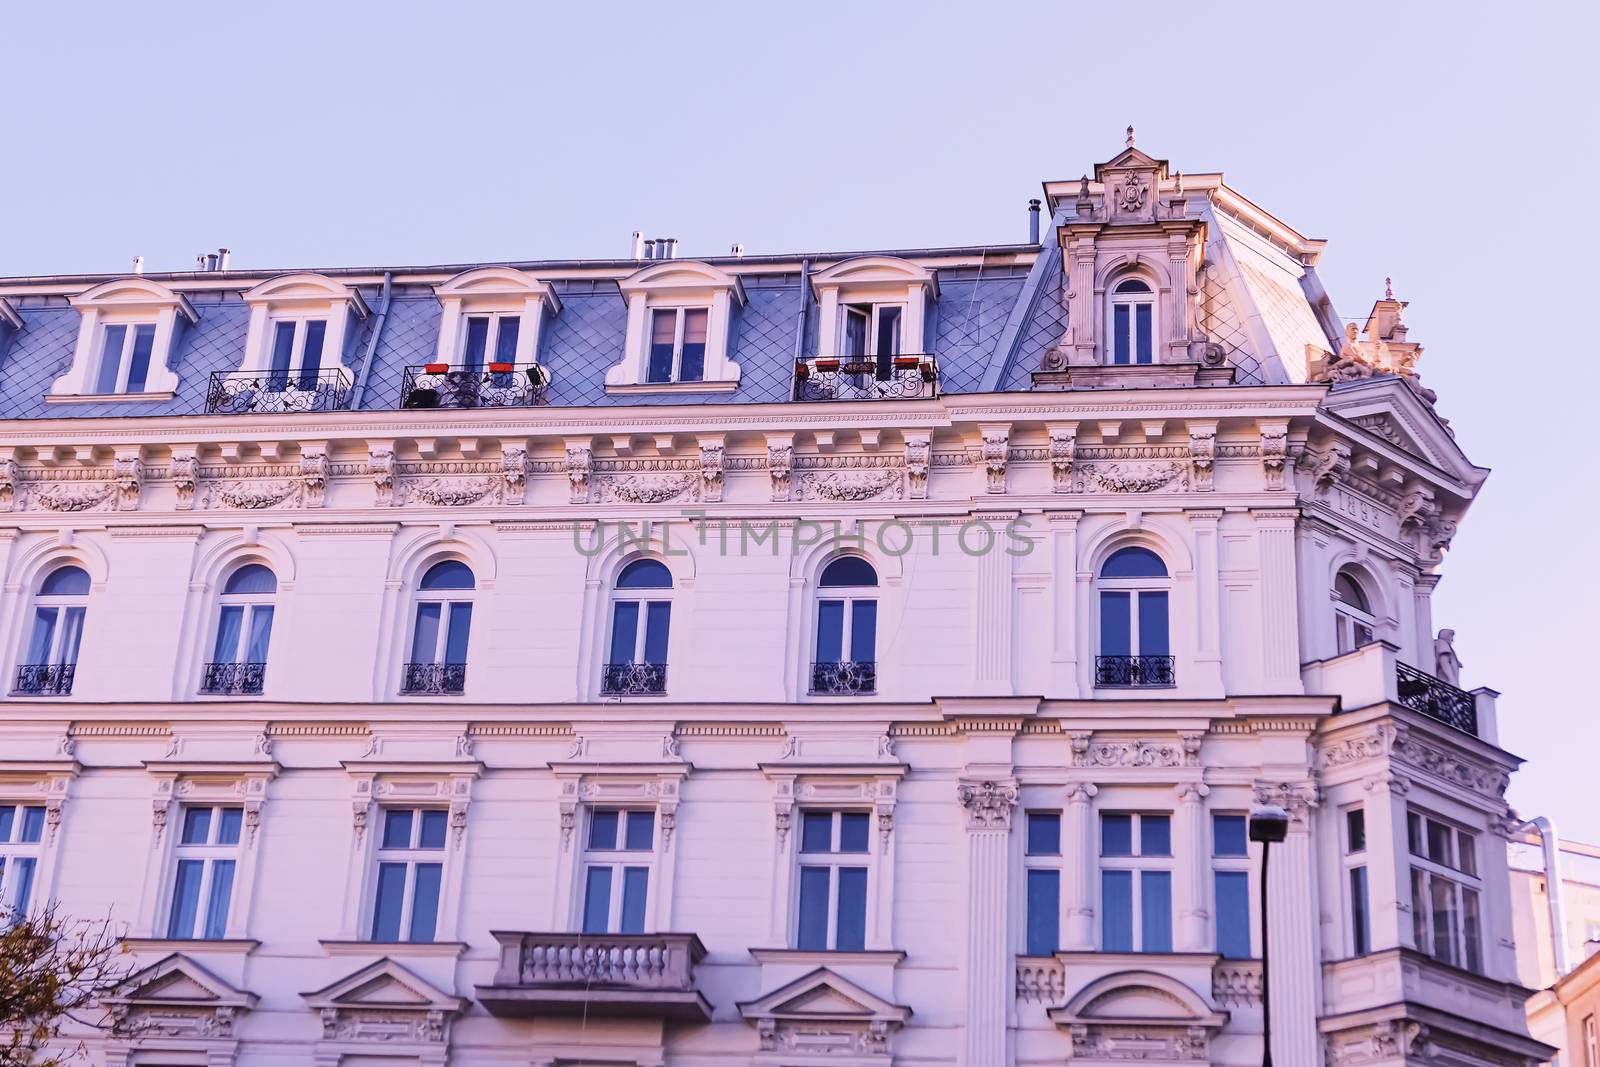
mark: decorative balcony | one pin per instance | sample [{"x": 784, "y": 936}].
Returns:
[
  {"x": 1427, "y": 695},
  {"x": 438, "y": 679},
  {"x": 648, "y": 976},
  {"x": 634, "y": 679},
  {"x": 233, "y": 679},
  {"x": 45, "y": 679},
  {"x": 845, "y": 678},
  {"x": 500, "y": 385},
  {"x": 268, "y": 393},
  {"x": 907, "y": 377},
  {"x": 1134, "y": 672}
]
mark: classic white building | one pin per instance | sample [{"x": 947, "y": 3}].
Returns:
[{"x": 782, "y": 660}]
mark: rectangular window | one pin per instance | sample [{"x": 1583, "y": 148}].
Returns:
[
  {"x": 1133, "y": 623},
  {"x": 618, "y": 856},
  {"x": 678, "y": 344},
  {"x": 1445, "y": 891},
  {"x": 21, "y": 846},
  {"x": 832, "y": 909},
  {"x": 1043, "y": 863},
  {"x": 1120, "y": 334},
  {"x": 1355, "y": 847},
  {"x": 410, "y": 874},
  {"x": 484, "y": 335},
  {"x": 297, "y": 354},
  {"x": 1135, "y": 882},
  {"x": 205, "y": 857},
  {"x": 125, "y": 358},
  {"x": 1591, "y": 1042},
  {"x": 628, "y": 643},
  {"x": 441, "y": 632},
  {"x": 1230, "y": 863}
]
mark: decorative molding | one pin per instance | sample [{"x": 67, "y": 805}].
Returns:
[
  {"x": 1063, "y": 446},
  {"x": 988, "y": 804},
  {"x": 996, "y": 451},
  {"x": 918, "y": 451},
  {"x": 780, "y": 461},
  {"x": 650, "y": 489},
  {"x": 712, "y": 457},
  {"x": 850, "y": 486},
  {"x": 580, "y": 461}
]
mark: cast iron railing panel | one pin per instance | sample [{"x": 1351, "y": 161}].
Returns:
[
  {"x": 844, "y": 678},
  {"x": 634, "y": 679},
  {"x": 499, "y": 385},
  {"x": 267, "y": 393},
  {"x": 45, "y": 679},
  {"x": 1134, "y": 672},
  {"x": 1427, "y": 695},
  {"x": 233, "y": 679},
  {"x": 906, "y": 377},
  {"x": 449, "y": 679}
]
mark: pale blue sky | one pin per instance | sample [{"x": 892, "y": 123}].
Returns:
[{"x": 1448, "y": 146}]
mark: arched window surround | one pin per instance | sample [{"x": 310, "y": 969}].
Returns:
[
  {"x": 1356, "y": 602},
  {"x": 239, "y": 640},
  {"x": 1131, "y": 629},
  {"x": 638, "y": 628},
  {"x": 52, "y": 634},
  {"x": 438, "y": 636},
  {"x": 1132, "y": 319},
  {"x": 844, "y": 629},
  {"x": 873, "y": 301}
]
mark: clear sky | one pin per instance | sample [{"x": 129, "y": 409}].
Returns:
[{"x": 1449, "y": 146}]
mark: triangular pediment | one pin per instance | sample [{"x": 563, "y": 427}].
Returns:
[
  {"x": 823, "y": 996},
  {"x": 1130, "y": 159},
  {"x": 176, "y": 981},
  {"x": 1388, "y": 411},
  {"x": 384, "y": 984}
]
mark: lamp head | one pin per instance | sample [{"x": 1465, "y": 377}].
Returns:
[{"x": 1269, "y": 824}]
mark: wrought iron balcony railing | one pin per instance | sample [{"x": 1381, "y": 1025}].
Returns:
[
  {"x": 233, "y": 679},
  {"x": 844, "y": 678},
  {"x": 1427, "y": 695},
  {"x": 448, "y": 679},
  {"x": 499, "y": 385},
  {"x": 610, "y": 975},
  {"x": 1134, "y": 672},
  {"x": 45, "y": 679},
  {"x": 906, "y": 377},
  {"x": 634, "y": 679},
  {"x": 277, "y": 393}
]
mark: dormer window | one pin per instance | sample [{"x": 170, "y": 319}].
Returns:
[
  {"x": 873, "y": 309},
  {"x": 1133, "y": 322},
  {"x": 297, "y": 347},
  {"x": 680, "y": 319},
  {"x": 294, "y": 348},
  {"x": 126, "y": 337},
  {"x": 871, "y": 332},
  {"x": 492, "y": 315},
  {"x": 490, "y": 338}
]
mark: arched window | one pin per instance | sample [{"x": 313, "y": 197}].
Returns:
[
  {"x": 51, "y": 657},
  {"x": 1135, "y": 649},
  {"x": 238, "y": 663},
  {"x": 641, "y": 615},
  {"x": 846, "y": 659},
  {"x": 440, "y": 630},
  {"x": 1353, "y": 620},
  {"x": 1131, "y": 326}
]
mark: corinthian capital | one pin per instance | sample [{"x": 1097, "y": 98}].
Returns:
[{"x": 988, "y": 803}]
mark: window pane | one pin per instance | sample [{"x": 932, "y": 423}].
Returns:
[
  {"x": 1119, "y": 333},
  {"x": 855, "y": 333},
  {"x": 813, "y": 929},
  {"x": 1142, "y": 324},
  {"x": 1116, "y": 911},
  {"x": 1355, "y": 829},
  {"x": 1360, "y": 942},
  {"x": 260, "y": 634},
  {"x": 1153, "y": 624},
  {"x": 311, "y": 354},
  {"x": 185, "y": 898},
  {"x": 597, "y": 901},
  {"x": 662, "y": 336},
  {"x": 65, "y": 581},
  {"x": 851, "y": 929},
  {"x": 1442, "y": 896},
  {"x": 603, "y": 830},
  {"x": 196, "y": 826},
  {"x": 282, "y": 353},
  {"x": 386, "y": 909},
  {"x": 1044, "y": 912},
  {"x": 624, "y": 630},
  {"x": 111, "y": 359},
  {"x": 228, "y": 829},
  {"x": 1414, "y": 832},
  {"x": 397, "y": 828},
  {"x": 816, "y": 831},
  {"x": 1228, "y": 837},
  {"x": 1155, "y": 908},
  {"x": 218, "y": 899},
  {"x": 433, "y": 828},
  {"x": 144, "y": 339},
  {"x": 505, "y": 339},
  {"x": 1155, "y": 835},
  {"x": 854, "y": 827},
  {"x": 864, "y": 631},
  {"x": 1133, "y": 562},
  {"x": 22, "y": 872},
  {"x": 40, "y": 645},
  {"x": 1439, "y": 843},
  {"x": 447, "y": 574},
  {"x": 1044, "y": 834},
  {"x": 888, "y": 338},
  {"x": 8, "y": 815},
  {"x": 425, "y": 902},
  {"x": 1419, "y": 911},
  {"x": 641, "y": 830},
  {"x": 477, "y": 339},
  {"x": 1116, "y": 835},
  {"x": 1467, "y": 856},
  {"x": 830, "y": 630},
  {"x": 71, "y": 635},
  {"x": 425, "y": 641},
  {"x": 1233, "y": 914},
  {"x": 645, "y": 574},
  {"x": 229, "y": 625},
  {"x": 692, "y": 363},
  {"x": 1470, "y": 932},
  {"x": 455, "y": 640},
  {"x": 1115, "y": 624},
  {"x": 658, "y": 616},
  {"x": 32, "y": 825},
  {"x": 635, "y": 886},
  {"x": 848, "y": 571}
]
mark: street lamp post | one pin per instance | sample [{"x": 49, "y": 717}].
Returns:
[{"x": 1269, "y": 825}]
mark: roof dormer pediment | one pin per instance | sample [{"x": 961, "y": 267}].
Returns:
[{"x": 306, "y": 288}]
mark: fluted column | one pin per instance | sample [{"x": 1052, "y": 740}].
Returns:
[
  {"x": 1292, "y": 909},
  {"x": 990, "y": 984},
  {"x": 1192, "y": 867},
  {"x": 1078, "y": 878}
]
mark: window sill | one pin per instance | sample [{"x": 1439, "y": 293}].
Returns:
[
  {"x": 805, "y": 957},
  {"x": 107, "y": 398},
  {"x": 671, "y": 387},
  {"x": 216, "y": 946},
  {"x": 435, "y": 949}
]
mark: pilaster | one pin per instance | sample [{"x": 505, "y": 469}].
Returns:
[
  {"x": 988, "y": 804},
  {"x": 1292, "y": 910},
  {"x": 1193, "y": 929},
  {"x": 1078, "y": 847}
]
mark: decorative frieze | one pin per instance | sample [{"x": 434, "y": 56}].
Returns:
[{"x": 851, "y": 485}]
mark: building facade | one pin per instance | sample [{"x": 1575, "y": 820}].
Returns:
[
  {"x": 857, "y": 659},
  {"x": 1565, "y": 1012}
]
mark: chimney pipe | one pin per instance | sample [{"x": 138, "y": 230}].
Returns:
[
  {"x": 200, "y": 262},
  {"x": 222, "y": 258},
  {"x": 738, "y": 251},
  {"x": 138, "y": 264},
  {"x": 650, "y": 249},
  {"x": 211, "y": 261},
  {"x": 672, "y": 248},
  {"x": 636, "y": 246},
  {"x": 1033, "y": 222}
]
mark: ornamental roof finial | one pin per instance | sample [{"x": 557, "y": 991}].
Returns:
[
  {"x": 1083, "y": 188},
  {"x": 1388, "y": 288},
  {"x": 1130, "y": 136}
]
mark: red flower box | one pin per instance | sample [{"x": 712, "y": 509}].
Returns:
[
  {"x": 500, "y": 368},
  {"x": 906, "y": 361},
  {"x": 435, "y": 368},
  {"x": 827, "y": 364}
]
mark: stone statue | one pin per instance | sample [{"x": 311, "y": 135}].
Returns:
[{"x": 1447, "y": 668}]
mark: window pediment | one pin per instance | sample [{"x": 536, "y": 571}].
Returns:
[
  {"x": 866, "y": 273},
  {"x": 298, "y": 289}
]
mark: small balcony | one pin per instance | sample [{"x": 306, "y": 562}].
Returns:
[
  {"x": 277, "y": 393},
  {"x": 634, "y": 679},
  {"x": 1374, "y": 674},
  {"x": 45, "y": 679},
  {"x": 904, "y": 377},
  {"x": 499, "y": 385},
  {"x": 435, "y": 679},
  {"x": 1437, "y": 699},
  {"x": 844, "y": 678},
  {"x": 641, "y": 976},
  {"x": 233, "y": 679},
  {"x": 1134, "y": 672}
]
